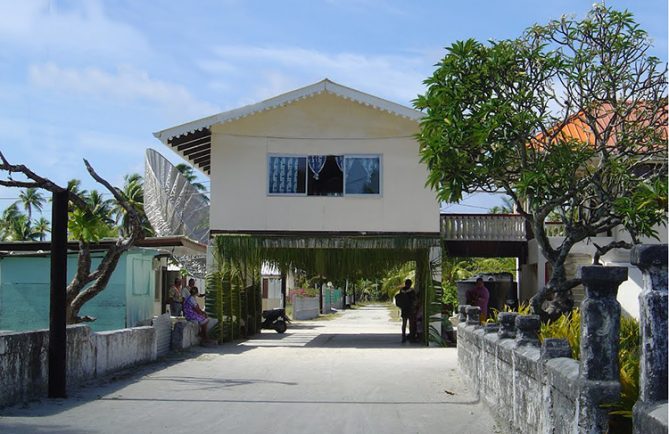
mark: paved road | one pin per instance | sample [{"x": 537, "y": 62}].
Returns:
[{"x": 347, "y": 375}]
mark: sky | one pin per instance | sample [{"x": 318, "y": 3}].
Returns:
[{"x": 94, "y": 79}]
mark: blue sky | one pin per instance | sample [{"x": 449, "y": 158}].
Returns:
[{"x": 93, "y": 79}]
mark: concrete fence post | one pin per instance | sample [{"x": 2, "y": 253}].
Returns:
[
  {"x": 507, "y": 322},
  {"x": 473, "y": 315},
  {"x": 652, "y": 261},
  {"x": 462, "y": 311},
  {"x": 527, "y": 330},
  {"x": 600, "y": 338}
]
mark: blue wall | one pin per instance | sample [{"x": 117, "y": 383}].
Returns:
[{"x": 24, "y": 292}]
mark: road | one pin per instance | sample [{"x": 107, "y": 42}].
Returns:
[{"x": 350, "y": 374}]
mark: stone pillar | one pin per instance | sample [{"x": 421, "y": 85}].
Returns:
[
  {"x": 462, "y": 311},
  {"x": 600, "y": 337},
  {"x": 652, "y": 261},
  {"x": 527, "y": 330},
  {"x": 507, "y": 322},
  {"x": 473, "y": 315}
]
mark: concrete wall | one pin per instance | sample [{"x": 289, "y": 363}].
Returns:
[
  {"x": 24, "y": 358},
  {"x": 321, "y": 124},
  {"x": 525, "y": 393},
  {"x": 305, "y": 307}
]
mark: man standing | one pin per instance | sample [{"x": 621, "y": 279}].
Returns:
[
  {"x": 406, "y": 301},
  {"x": 176, "y": 298},
  {"x": 479, "y": 296}
]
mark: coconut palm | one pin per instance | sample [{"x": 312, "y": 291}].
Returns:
[
  {"x": 31, "y": 198},
  {"x": 93, "y": 223},
  {"x": 22, "y": 230},
  {"x": 41, "y": 228},
  {"x": 133, "y": 192},
  {"x": 9, "y": 215},
  {"x": 189, "y": 173}
]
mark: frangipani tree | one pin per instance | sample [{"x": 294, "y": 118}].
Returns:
[{"x": 569, "y": 119}]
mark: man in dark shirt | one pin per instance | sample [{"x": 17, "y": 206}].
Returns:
[{"x": 406, "y": 301}]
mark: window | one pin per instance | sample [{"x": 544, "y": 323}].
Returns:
[
  {"x": 324, "y": 175},
  {"x": 287, "y": 175},
  {"x": 363, "y": 174}
]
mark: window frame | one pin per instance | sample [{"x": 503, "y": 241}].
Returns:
[
  {"x": 306, "y": 175},
  {"x": 370, "y": 195},
  {"x": 267, "y": 175}
]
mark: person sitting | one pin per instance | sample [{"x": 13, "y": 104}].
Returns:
[{"x": 193, "y": 312}]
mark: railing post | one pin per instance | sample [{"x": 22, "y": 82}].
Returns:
[
  {"x": 527, "y": 330},
  {"x": 600, "y": 337},
  {"x": 473, "y": 315},
  {"x": 507, "y": 322},
  {"x": 462, "y": 311},
  {"x": 652, "y": 261}
]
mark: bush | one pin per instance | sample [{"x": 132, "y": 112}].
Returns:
[{"x": 569, "y": 327}]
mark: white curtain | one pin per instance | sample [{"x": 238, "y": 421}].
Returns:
[
  {"x": 316, "y": 164},
  {"x": 284, "y": 174}
]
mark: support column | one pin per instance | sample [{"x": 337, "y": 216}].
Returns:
[
  {"x": 652, "y": 261},
  {"x": 58, "y": 301},
  {"x": 600, "y": 338}
]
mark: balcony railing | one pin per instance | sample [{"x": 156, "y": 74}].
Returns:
[{"x": 483, "y": 227}]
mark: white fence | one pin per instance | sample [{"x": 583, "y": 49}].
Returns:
[{"x": 483, "y": 227}]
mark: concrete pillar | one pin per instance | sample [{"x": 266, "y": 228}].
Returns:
[
  {"x": 473, "y": 315},
  {"x": 652, "y": 261},
  {"x": 462, "y": 312},
  {"x": 600, "y": 337},
  {"x": 527, "y": 330},
  {"x": 507, "y": 322}
]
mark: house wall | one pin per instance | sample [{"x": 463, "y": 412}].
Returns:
[
  {"x": 24, "y": 292},
  {"x": 322, "y": 124}
]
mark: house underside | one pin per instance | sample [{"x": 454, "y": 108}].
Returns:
[{"x": 331, "y": 255}]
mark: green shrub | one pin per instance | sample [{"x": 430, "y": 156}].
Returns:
[{"x": 567, "y": 327}]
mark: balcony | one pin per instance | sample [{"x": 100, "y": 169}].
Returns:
[{"x": 483, "y": 227}]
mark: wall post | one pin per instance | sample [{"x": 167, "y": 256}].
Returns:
[
  {"x": 600, "y": 338},
  {"x": 652, "y": 261}
]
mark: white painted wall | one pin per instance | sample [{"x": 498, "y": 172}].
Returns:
[{"x": 321, "y": 124}]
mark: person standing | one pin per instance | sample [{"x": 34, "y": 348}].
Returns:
[
  {"x": 479, "y": 296},
  {"x": 406, "y": 301},
  {"x": 176, "y": 298}
]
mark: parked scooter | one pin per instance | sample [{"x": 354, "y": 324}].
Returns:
[{"x": 275, "y": 319}]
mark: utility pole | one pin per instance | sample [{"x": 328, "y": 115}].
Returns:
[{"x": 57, "y": 306}]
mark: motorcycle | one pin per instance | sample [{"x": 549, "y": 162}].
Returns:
[{"x": 275, "y": 319}]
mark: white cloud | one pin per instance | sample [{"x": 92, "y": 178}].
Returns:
[
  {"x": 126, "y": 84},
  {"x": 39, "y": 26},
  {"x": 276, "y": 70}
]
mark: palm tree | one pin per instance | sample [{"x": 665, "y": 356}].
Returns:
[
  {"x": 31, "y": 198},
  {"x": 42, "y": 227},
  {"x": 9, "y": 215},
  {"x": 188, "y": 173},
  {"x": 22, "y": 230},
  {"x": 133, "y": 192},
  {"x": 95, "y": 222}
]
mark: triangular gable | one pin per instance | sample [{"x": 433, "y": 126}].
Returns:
[{"x": 192, "y": 140}]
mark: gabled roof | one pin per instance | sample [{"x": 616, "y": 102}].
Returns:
[{"x": 192, "y": 140}]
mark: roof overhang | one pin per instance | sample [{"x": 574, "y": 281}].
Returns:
[{"x": 192, "y": 140}]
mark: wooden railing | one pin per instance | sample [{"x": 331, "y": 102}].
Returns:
[{"x": 483, "y": 227}]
